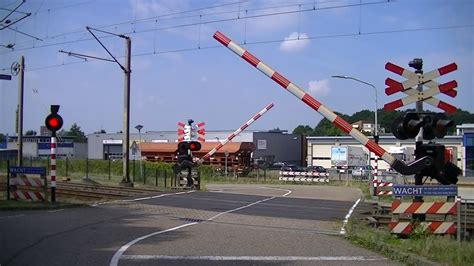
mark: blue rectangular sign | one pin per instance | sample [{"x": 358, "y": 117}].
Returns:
[
  {"x": 413, "y": 190},
  {"x": 28, "y": 170}
]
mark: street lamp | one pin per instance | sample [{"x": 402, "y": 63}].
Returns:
[
  {"x": 376, "y": 131},
  {"x": 139, "y": 128}
]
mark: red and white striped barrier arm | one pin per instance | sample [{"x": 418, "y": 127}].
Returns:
[
  {"x": 307, "y": 99},
  {"x": 235, "y": 133},
  {"x": 399, "y": 207},
  {"x": 27, "y": 195},
  {"x": 27, "y": 181},
  {"x": 384, "y": 184},
  {"x": 384, "y": 193},
  {"x": 404, "y": 228}
]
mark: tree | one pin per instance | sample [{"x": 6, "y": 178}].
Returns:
[
  {"x": 2, "y": 137},
  {"x": 30, "y": 133},
  {"x": 303, "y": 130},
  {"x": 102, "y": 131},
  {"x": 385, "y": 120},
  {"x": 76, "y": 132},
  {"x": 277, "y": 129}
]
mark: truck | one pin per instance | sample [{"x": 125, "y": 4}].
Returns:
[
  {"x": 402, "y": 153},
  {"x": 405, "y": 154},
  {"x": 348, "y": 157}
]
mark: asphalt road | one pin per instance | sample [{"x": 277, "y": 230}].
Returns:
[{"x": 227, "y": 225}]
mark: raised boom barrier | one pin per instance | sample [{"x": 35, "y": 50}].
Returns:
[
  {"x": 396, "y": 164},
  {"x": 235, "y": 133}
]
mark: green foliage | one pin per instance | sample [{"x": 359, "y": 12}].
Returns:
[
  {"x": 30, "y": 133},
  {"x": 2, "y": 137},
  {"x": 303, "y": 130},
  {"x": 326, "y": 128},
  {"x": 75, "y": 132},
  {"x": 385, "y": 120}
]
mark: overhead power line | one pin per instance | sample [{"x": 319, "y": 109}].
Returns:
[
  {"x": 299, "y": 10},
  {"x": 191, "y": 49}
]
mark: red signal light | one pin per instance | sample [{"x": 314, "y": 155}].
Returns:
[
  {"x": 53, "y": 122},
  {"x": 194, "y": 146}
]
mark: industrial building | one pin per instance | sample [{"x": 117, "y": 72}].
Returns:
[
  {"x": 270, "y": 146},
  {"x": 40, "y": 147}
]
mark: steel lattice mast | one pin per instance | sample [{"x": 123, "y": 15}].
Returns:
[
  {"x": 236, "y": 132},
  {"x": 323, "y": 110}
]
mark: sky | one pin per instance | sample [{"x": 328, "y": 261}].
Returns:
[{"x": 180, "y": 72}]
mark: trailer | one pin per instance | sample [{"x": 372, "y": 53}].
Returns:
[{"x": 348, "y": 157}]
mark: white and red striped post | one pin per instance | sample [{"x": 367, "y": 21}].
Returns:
[
  {"x": 307, "y": 99},
  {"x": 53, "y": 168},
  {"x": 236, "y": 132}
]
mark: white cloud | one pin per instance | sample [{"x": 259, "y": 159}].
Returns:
[
  {"x": 292, "y": 43},
  {"x": 149, "y": 8},
  {"x": 319, "y": 87}
]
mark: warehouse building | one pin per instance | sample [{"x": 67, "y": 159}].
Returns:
[{"x": 270, "y": 146}]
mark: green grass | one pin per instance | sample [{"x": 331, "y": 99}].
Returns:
[
  {"x": 24, "y": 205},
  {"x": 413, "y": 249}
]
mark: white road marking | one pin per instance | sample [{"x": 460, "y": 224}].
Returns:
[
  {"x": 252, "y": 258},
  {"x": 12, "y": 216},
  {"x": 239, "y": 208},
  {"x": 346, "y": 219},
  {"x": 140, "y": 199},
  {"x": 284, "y": 195},
  {"x": 119, "y": 253},
  {"x": 58, "y": 210}
]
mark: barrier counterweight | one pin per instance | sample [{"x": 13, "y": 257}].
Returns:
[
  {"x": 236, "y": 132},
  {"x": 306, "y": 98}
]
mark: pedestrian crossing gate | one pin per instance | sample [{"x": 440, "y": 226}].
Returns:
[{"x": 26, "y": 183}]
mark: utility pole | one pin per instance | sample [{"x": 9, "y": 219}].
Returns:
[
  {"x": 126, "y": 109},
  {"x": 21, "y": 83},
  {"x": 126, "y": 113}
]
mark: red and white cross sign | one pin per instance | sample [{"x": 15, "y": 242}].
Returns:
[{"x": 426, "y": 79}]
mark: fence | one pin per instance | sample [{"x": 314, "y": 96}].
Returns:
[{"x": 104, "y": 170}]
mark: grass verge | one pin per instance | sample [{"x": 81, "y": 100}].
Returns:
[
  {"x": 8, "y": 205},
  {"x": 416, "y": 249}
]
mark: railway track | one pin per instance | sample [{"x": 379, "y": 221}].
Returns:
[{"x": 91, "y": 192}]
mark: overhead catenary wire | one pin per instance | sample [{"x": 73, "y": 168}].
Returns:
[
  {"x": 206, "y": 22},
  {"x": 256, "y": 43},
  {"x": 79, "y": 30}
]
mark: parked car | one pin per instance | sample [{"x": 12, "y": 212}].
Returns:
[
  {"x": 316, "y": 168},
  {"x": 277, "y": 166},
  {"x": 289, "y": 167},
  {"x": 362, "y": 172}
]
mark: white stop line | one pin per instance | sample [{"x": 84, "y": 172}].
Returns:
[
  {"x": 119, "y": 254},
  {"x": 252, "y": 258}
]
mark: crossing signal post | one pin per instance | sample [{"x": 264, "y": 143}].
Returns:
[
  {"x": 187, "y": 136},
  {"x": 53, "y": 122},
  {"x": 431, "y": 126}
]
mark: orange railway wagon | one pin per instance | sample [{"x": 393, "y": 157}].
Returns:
[{"x": 238, "y": 153}]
